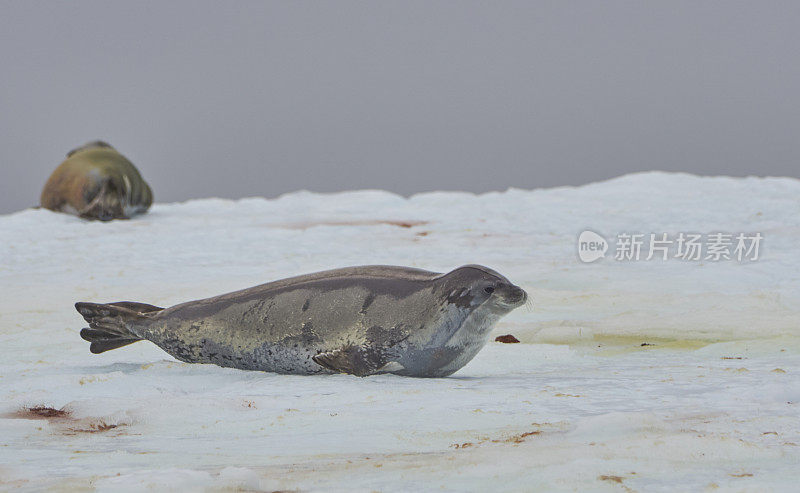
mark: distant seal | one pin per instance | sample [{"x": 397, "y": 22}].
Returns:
[
  {"x": 97, "y": 182},
  {"x": 358, "y": 320}
]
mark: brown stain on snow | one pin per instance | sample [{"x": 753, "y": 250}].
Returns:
[
  {"x": 63, "y": 420},
  {"x": 41, "y": 412},
  {"x": 365, "y": 222},
  {"x": 513, "y": 439},
  {"x": 518, "y": 438}
]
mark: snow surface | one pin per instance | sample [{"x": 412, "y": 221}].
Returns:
[{"x": 582, "y": 405}]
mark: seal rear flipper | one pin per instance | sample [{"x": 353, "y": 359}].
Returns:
[
  {"x": 136, "y": 306},
  {"x": 113, "y": 325},
  {"x": 355, "y": 360},
  {"x": 103, "y": 345}
]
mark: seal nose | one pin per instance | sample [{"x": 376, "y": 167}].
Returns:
[{"x": 516, "y": 295}]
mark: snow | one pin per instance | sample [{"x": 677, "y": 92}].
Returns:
[{"x": 581, "y": 404}]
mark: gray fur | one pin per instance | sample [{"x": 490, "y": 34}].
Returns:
[{"x": 358, "y": 320}]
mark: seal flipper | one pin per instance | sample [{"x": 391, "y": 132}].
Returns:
[
  {"x": 103, "y": 344},
  {"x": 110, "y": 324},
  {"x": 355, "y": 360},
  {"x": 136, "y": 306}
]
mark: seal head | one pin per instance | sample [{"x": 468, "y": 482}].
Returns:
[
  {"x": 475, "y": 299},
  {"x": 97, "y": 182},
  {"x": 481, "y": 285}
]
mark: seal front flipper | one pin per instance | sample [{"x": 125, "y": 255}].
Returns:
[
  {"x": 113, "y": 325},
  {"x": 356, "y": 360}
]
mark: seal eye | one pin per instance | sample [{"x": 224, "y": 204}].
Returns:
[{"x": 489, "y": 289}]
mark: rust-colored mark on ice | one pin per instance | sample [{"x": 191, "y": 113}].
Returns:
[
  {"x": 63, "y": 420},
  {"x": 41, "y": 412},
  {"x": 355, "y": 222}
]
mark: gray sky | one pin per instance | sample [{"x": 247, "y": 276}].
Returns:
[{"x": 260, "y": 98}]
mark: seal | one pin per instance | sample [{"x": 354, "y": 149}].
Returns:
[
  {"x": 357, "y": 320},
  {"x": 97, "y": 182}
]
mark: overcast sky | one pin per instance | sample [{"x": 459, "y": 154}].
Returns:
[{"x": 234, "y": 99}]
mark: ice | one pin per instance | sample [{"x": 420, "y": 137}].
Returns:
[{"x": 710, "y": 402}]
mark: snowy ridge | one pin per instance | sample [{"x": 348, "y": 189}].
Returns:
[{"x": 580, "y": 406}]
